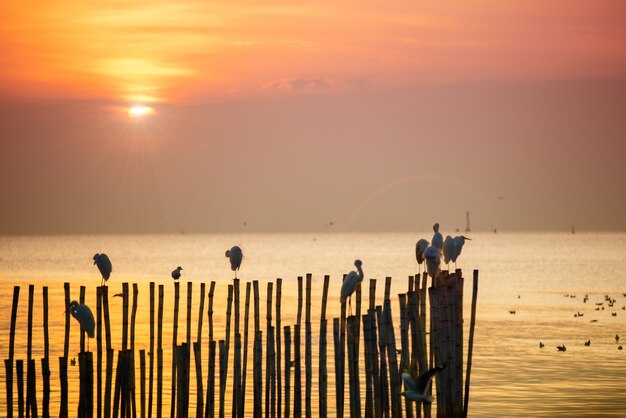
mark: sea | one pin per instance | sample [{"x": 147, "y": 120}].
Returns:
[{"x": 549, "y": 288}]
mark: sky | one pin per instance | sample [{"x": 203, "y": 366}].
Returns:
[{"x": 282, "y": 116}]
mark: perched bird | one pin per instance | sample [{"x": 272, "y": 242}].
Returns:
[
  {"x": 437, "y": 240},
  {"x": 83, "y": 315},
  {"x": 449, "y": 249},
  {"x": 118, "y": 295},
  {"x": 541, "y": 344},
  {"x": 415, "y": 389},
  {"x": 176, "y": 273},
  {"x": 616, "y": 337},
  {"x": 432, "y": 255},
  {"x": 73, "y": 361},
  {"x": 235, "y": 255},
  {"x": 104, "y": 265},
  {"x": 620, "y": 348},
  {"x": 561, "y": 347},
  {"x": 587, "y": 343},
  {"x": 350, "y": 283},
  {"x": 459, "y": 241},
  {"x": 420, "y": 247}
]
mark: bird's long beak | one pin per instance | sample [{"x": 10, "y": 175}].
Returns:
[{"x": 469, "y": 239}]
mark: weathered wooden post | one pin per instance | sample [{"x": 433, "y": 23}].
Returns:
[
  {"x": 8, "y": 363},
  {"x": 323, "y": 371},
  {"x": 159, "y": 406}
]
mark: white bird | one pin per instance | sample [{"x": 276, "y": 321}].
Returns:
[
  {"x": 235, "y": 255},
  {"x": 350, "y": 283},
  {"x": 415, "y": 390},
  {"x": 420, "y": 247},
  {"x": 83, "y": 315},
  {"x": 459, "y": 241},
  {"x": 433, "y": 259},
  {"x": 104, "y": 265},
  {"x": 449, "y": 249},
  {"x": 437, "y": 240},
  {"x": 176, "y": 273}
]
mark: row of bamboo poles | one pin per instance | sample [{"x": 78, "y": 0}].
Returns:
[{"x": 273, "y": 393}]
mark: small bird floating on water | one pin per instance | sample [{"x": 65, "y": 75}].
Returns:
[
  {"x": 616, "y": 337},
  {"x": 104, "y": 265},
  {"x": 235, "y": 255},
  {"x": 512, "y": 312},
  {"x": 561, "y": 347},
  {"x": 176, "y": 273},
  {"x": 415, "y": 389},
  {"x": 350, "y": 283},
  {"x": 587, "y": 343},
  {"x": 541, "y": 345}
]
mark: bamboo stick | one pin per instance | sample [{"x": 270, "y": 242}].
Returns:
[
  {"x": 245, "y": 350},
  {"x": 257, "y": 368},
  {"x": 19, "y": 369},
  {"x": 9, "y": 362},
  {"x": 272, "y": 373},
  {"x": 355, "y": 398},
  {"x": 99, "y": 351},
  {"x": 404, "y": 338},
  {"x": 237, "y": 354},
  {"x": 151, "y": 352},
  {"x": 182, "y": 360},
  {"x": 108, "y": 382},
  {"x": 367, "y": 357},
  {"x": 159, "y": 404},
  {"x": 372, "y": 305},
  {"x": 341, "y": 376},
  {"x": 323, "y": 371},
  {"x": 82, "y": 331},
  {"x": 66, "y": 344},
  {"x": 31, "y": 403},
  {"x": 268, "y": 353},
  {"x": 85, "y": 405},
  {"x": 142, "y": 382},
  {"x": 470, "y": 343},
  {"x": 187, "y": 355},
  {"x": 382, "y": 349},
  {"x": 210, "y": 311},
  {"x": 308, "y": 355},
  {"x": 279, "y": 285},
  {"x": 31, "y": 295},
  {"x": 209, "y": 411},
  {"x": 189, "y": 296},
  {"x": 8, "y": 367},
  {"x": 45, "y": 368},
  {"x": 125, "y": 297},
  {"x": 297, "y": 396},
  {"x": 394, "y": 376},
  {"x": 223, "y": 370},
  {"x": 132, "y": 348},
  {"x": 376, "y": 381},
  {"x": 337, "y": 350},
  {"x": 287, "y": 332},
  {"x": 229, "y": 308},
  {"x": 197, "y": 351},
  {"x": 174, "y": 345}
]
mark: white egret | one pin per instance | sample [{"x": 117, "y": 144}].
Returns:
[
  {"x": 176, "y": 273},
  {"x": 104, "y": 265},
  {"x": 350, "y": 283},
  {"x": 415, "y": 389},
  {"x": 420, "y": 247},
  {"x": 433, "y": 259},
  {"x": 235, "y": 255},
  {"x": 437, "y": 240},
  {"x": 449, "y": 249},
  {"x": 459, "y": 241},
  {"x": 83, "y": 315}
]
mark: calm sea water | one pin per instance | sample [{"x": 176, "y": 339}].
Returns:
[{"x": 511, "y": 376}]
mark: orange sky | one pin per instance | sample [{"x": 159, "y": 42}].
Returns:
[
  {"x": 199, "y": 51},
  {"x": 287, "y": 115}
]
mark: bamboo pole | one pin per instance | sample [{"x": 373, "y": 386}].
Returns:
[
  {"x": 45, "y": 362},
  {"x": 382, "y": 349},
  {"x": 197, "y": 352},
  {"x": 337, "y": 350},
  {"x": 151, "y": 352},
  {"x": 99, "y": 351},
  {"x": 287, "y": 332},
  {"x": 66, "y": 343},
  {"x": 174, "y": 345},
  {"x": 223, "y": 354},
  {"x": 182, "y": 360},
  {"x": 355, "y": 392},
  {"x": 323, "y": 371},
  {"x": 187, "y": 355},
  {"x": 245, "y": 350},
  {"x": 404, "y": 339},
  {"x": 31, "y": 393},
  {"x": 367, "y": 357},
  {"x": 142, "y": 382},
  {"x": 159, "y": 404},
  {"x": 125, "y": 297},
  {"x": 272, "y": 373},
  {"x": 210, "y": 311},
  {"x": 19, "y": 369},
  {"x": 9, "y": 361},
  {"x": 372, "y": 305},
  {"x": 341, "y": 376},
  {"x": 308, "y": 355},
  {"x": 85, "y": 406},
  {"x": 108, "y": 382},
  {"x": 132, "y": 348},
  {"x": 209, "y": 411},
  {"x": 257, "y": 368},
  {"x": 268, "y": 353},
  {"x": 470, "y": 343},
  {"x": 237, "y": 354},
  {"x": 279, "y": 386},
  {"x": 376, "y": 382}
]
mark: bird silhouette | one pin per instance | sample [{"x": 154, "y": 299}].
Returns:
[
  {"x": 83, "y": 315},
  {"x": 587, "y": 343},
  {"x": 449, "y": 249},
  {"x": 235, "y": 255},
  {"x": 350, "y": 283},
  {"x": 437, "y": 240},
  {"x": 541, "y": 345},
  {"x": 459, "y": 242},
  {"x": 176, "y": 273},
  {"x": 432, "y": 255},
  {"x": 104, "y": 265},
  {"x": 420, "y": 247},
  {"x": 415, "y": 389},
  {"x": 561, "y": 347}
]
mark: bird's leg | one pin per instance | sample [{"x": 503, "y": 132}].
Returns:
[{"x": 350, "y": 306}]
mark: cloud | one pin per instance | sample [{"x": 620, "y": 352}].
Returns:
[{"x": 300, "y": 84}]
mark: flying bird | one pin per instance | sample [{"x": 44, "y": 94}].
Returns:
[
  {"x": 415, "y": 390},
  {"x": 104, "y": 265},
  {"x": 420, "y": 247},
  {"x": 235, "y": 255},
  {"x": 176, "y": 273},
  {"x": 350, "y": 283},
  {"x": 83, "y": 315}
]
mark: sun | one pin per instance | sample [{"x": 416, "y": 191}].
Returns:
[{"x": 139, "y": 111}]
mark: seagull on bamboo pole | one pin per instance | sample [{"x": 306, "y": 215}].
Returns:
[
  {"x": 350, "y": 283},
  {"x": 432, "y": 255},
  {"x": 437, "y": 240},
  {"x": 176, "y": 273},
  {"x": 83, "y": 315},
  {"x": 415, "y": 389},
  {"x": 449, "y": 250},
  {"x": 104, "y": 265},
  {"x": 459, "y": 241},
  {"x": 420, "y": 247},
  {"x": 235, "y": 255}
]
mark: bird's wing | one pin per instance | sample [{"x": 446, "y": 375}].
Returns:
[
  {"x": 409, "y": 383},
  {"x": 425, "y": 379}
]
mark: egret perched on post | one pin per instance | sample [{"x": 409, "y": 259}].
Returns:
[
  {"x": 415, "y": 390},
  {"x": 104, "y": 265},
  {"x": 449, "y": 249},
  {"x": 176, "y": 273},
  {"x": 83, "y": 315},
  {"x": 350, "y": 283},
  {"x": 437, "y": 240},
  {"x": 459, "y": 241},
  {"x": 420, "y": 247},
  {"x": 235, "y": 255},
  {"x": 432, "y": 255}
]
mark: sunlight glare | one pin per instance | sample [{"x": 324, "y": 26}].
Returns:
[{"x": 138, "y": 111}]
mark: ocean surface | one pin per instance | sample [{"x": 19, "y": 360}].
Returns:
[{"x": 543, "y": 277}]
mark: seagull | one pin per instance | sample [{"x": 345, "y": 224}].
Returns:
[
  {"x": 420, "y": 247},
  {"x": 561, "y": 347},
  {"x": 449, "y": 249},
  {"x": 433, "y": 259},
  {"x": 176, "y": 273},
  {"x": 437, "y": 240},
  {"x": 235, "y": 255},
  {"x": 83, "y": 315},
  {"x": 415, "y": 390},
  {"x": 459, "y": 241},
  {"x": 104, "y": 265},
  {"x": 350, "y": 283}
]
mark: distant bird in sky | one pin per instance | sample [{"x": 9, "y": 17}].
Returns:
[
  {"x": 104, "y": 265},
  {"x": 350, "y": 283},
  {"x": 437, "y": 240},
  {"x": 433, "y": 260},
  {"x": 235, "y": 255},
  {"x": 83, "y": 315},
  {"x": 420, "y": 247},
  {"x": 415, "y": 389},
  {"x": 176, "y": 273}
]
